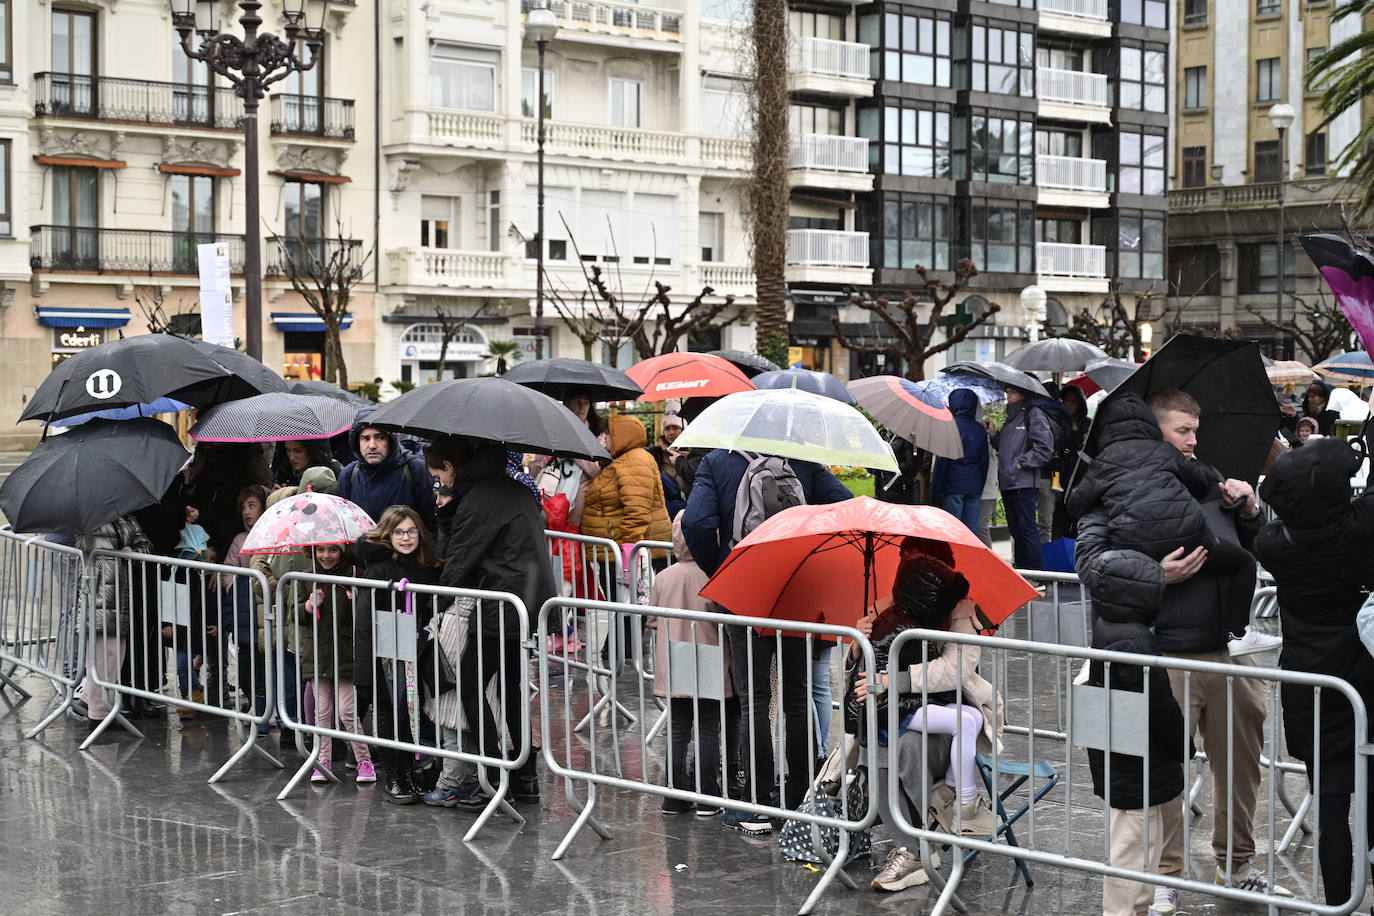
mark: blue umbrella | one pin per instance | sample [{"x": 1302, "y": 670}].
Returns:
[
  {"x": 941, "y": 386},
  {"x": 822, "y": 383},
  {"x": 132, "y": 412},
  {"x": 1348, "y": 367}
]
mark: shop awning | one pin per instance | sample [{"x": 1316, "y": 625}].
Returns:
[
  {"x": 171, "y": 168},
  {"x": 82, "y": 318},
  {"x": 305, "y": 321}
]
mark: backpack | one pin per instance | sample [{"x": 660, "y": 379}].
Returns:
[
  {"x": 768, "y": 486},
  {"x": 1061, "y": 435}
]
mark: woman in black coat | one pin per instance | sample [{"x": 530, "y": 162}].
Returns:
[{"x": 1318, "y": 550}]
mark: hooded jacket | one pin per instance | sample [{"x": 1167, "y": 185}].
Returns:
[
  {"x": 274, "y": 566},
  {"x": 1318, "y": 551},
  {"x": 1150, "y": 491},
  {"x": 399, "y": 479},
  {"x": 1025, "y": 444},
  {"x": 625, "y": 501},
  {"x": 321, "y": 455},
  {"x": 963, "y": 476},
  {"x": 115, "y": 592},
  {"x": 679, "y": 586}
]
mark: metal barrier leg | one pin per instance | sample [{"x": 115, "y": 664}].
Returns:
[
  {"x": 498, "y": 803},
  {"x": 67, "y": 694},
  {"x": 834, "y": 869},
  {"x": 657, "y": 726},
  {"x": 114, "y": 716},
  {"x": 1299, "y": 825},
  {"x": 307, "y": 767},
  {"x": 246, "y": 748},
  {"x": 9, "y": 683},
  {"x": 948, "y": 896},
  {"x": 584, "y": 818}
]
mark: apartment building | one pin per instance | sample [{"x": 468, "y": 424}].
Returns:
[
  {"x": 1027, "y": 137},
  {"x": 118, "y": 156},
  {"x": 1235, "y": 60}
]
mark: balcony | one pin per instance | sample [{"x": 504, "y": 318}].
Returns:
[
  {"x": 1072, "y": 95},
  {"x": 827, "y": 161},
  {"x": 827, "y": 256},
  {"x": 619, "y": 24},
  {"x": 1075, "y": 17},
  {"x": 102, "y": 98},
  {"x": 727, "y": 279},
  {"x": 124, "y": 251},
  {"x": 830, "y": 67},
  {"x": 305, "y": 257},
  {"x": 1071, "y": 268},
  {"x": 449, "y": 267},
  {"x": 309, "y": 116},
  {"x": 598, "y": 141},
  {"x": 1071, "y": 181}
]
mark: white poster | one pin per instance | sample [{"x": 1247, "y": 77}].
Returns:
[{"x": 217, "y": 316}]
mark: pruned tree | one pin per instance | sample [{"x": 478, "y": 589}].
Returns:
[
  {"x": 914, "y": 332},
  {"x": 324, "y": 273},
  {"x": 451, "y": 324},
  {"x": 1318, "y": 328},
  {"x": 1119, "y": 334},
  {"x": 767, "y": 194},
  {"x": 151, "y": 302}
]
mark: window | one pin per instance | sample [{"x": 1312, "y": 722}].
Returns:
[
  {"x": 302, "y": 95},
  {"x": 625, "y": 97},
  {"x": 1139, "y": 246},
  {"x": 529, "y": 91},
  {"x": 1268, "y": 80},
  {"x": 814, "y": 119},
  {"x": 73, "y": 63},
  {"x": 1152, "y": 13},
  {"x": 1195, "y": 166},
  {"x": 1195, "y": 87},
  {"x": 916, "y": 50},
  {"x": 460, "y": 78},
  {"x": 1196, "y": 269},
  {"x": 1067, "y": 231},
  {"x": 304, "y": 225},
  {"x": 1002, "y": 236},
  {"x": 653, "y": 221},
  {"x": 191, "y": 93},
  {"x": 6, "y": 228},
  {"x": 75, "y": 216},
  {"x": 1141, "y": 79},
  {"x": 1314, "y": 155},
  {"x": 1050, "y": 142},
  {"x": 561, "y": 206},
  {"x": 438, "y": 220},
  {"x": 815, "y": 25},
  {"x": 193, "y": 218},
  {"x": 6, "y": 46},
  {"x": 710, "y": 234},
  {"x": 915, "y": 231},
  {"x": 494, "y": 232},
  {"x": 1257, "y": 269},
  {"x": 1139, "y": 160},
  {"x": 992, "y": 148},
  {"x": 916, "y": 142},
  {"x": 1268, "y": 7},
  {"x": 1194, "y": 12},
  {"x": 1267, "y": 164},
  {"x": 999, "y": 60},
  {"x": 1313, "y": 54}
]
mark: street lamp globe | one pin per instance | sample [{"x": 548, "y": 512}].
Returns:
[
  {"x": 1282, "y": 115},
  {"x": 1033, "y": 300},
  {"x": 541, "y": 25},
  {"x": 200, "y": 15}
]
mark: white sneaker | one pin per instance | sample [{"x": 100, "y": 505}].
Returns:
[
  {"x": 902, "y": 869},
  {"x": 1249, "y": 878},
  {"x": 1166, "y": 902},
  {"x": 1254, "y": 641}
]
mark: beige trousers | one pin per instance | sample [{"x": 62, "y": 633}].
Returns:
[
  {"x": 1126, "y": 831},
  {"x": 106, "y": 655}
]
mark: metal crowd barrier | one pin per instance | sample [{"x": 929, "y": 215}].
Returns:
[
  {"x": 190, "y": 610},
  {"x": 482, "y": 647},
  {"x": 1117, "y": 721},
  {"x": 40, "y": 620},
  {"x": 696, "y": 671},
  {"x": 640, "y": 582}
]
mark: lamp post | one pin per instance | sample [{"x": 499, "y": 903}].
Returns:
[
  {"x": 1033, "y": 306},
  {"x": 251, "y": 64},
  {"x": 1281, "y": 116},
  {"x": 541, "y": 26}
]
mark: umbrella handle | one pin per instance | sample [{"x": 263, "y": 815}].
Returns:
[{"x": 401, "y": 587}]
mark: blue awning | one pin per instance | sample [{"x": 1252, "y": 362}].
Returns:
[
  {"x": 305, "y": 321},
  {"x": 82, "y": 318}
]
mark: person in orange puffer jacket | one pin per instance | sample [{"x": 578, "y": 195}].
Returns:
[{"x": 625, "y": 501}]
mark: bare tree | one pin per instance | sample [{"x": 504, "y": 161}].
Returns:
[
  {"x": 1120, "y": 334},
  {"x": 912, "y": 333},
  {"x": 768, "y": 192},
  {"x": 450, "y": 326},
  {"x": 151, "y": 302},
  {"x": 324, "y": 273},
  {"x": 1319, "y": 329}
]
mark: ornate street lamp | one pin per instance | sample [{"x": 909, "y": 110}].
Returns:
[
  {"x": 251, "y": 64},
  {"x": 1281, "y": 116},
  {"x": 540, "y": 27}
]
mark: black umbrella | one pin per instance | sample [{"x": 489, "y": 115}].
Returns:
[
  {"x": 92, "y": 475},
  {"x": 999, "y": 372},
  {"x": 252, "y": 374},
  {"x": 751, "y": 364},
  {"x": 495, "y": 410},
  {"x": 561, "y": 376},
  {"x": 1054, "y": 354},
  {"x": 325, "y": 389},
  {"x": 1239, "y": 414}
]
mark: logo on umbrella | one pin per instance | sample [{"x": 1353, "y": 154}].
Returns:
[
  {"x": 103, "y": 383},
  {"x": 675, "y": 386}
]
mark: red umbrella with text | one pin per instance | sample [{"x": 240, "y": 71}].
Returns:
[{"x": 687, "y": 375}]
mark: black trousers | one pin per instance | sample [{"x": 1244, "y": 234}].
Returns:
[
  {"x": 752, "y": 659},
  {"x": 684, "y": 712},
  {"x": 493, "y": 650}
]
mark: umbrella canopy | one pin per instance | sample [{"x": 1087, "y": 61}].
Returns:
[
  {"x": 558, "y": 378},
  {"x": 807, "y": 563},
  {"x": 495, "y": 410},
  {"x": 682, "y": 375},
  {"x": 1347, "y": 367},
  {"x": 307, "y": 519},
  {"x": 751, "y": 364},
  {"x": 325, "y": 389},
  {"x": 942, "y": 386},
  {"x": 92, "y": 475},
  {"x": 1239, "y": 414},
  {"x": 1110, "y": 372},
  {"x": 254, "y": 376},
  {"x": 277, "y": 417},
  {"x": 1350, "y": 274},
  {"x": 793, "y": 424},
  {"x": 161, "y": 405},
  {"x": 1055, "y": 354},
  {"x": 1289, "y": 372},
  {"x": 917, "y": 415},
  {"x": 822, "y": 383},
  {"x": 1084, "y": 384},
  {"x": 1008, "y": 376}
]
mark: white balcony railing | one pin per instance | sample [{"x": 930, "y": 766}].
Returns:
[
  {"x": 448, "y": 267},
  {"x": 725, "y": 278},
  {"x": 827, "y": 57},
  {"x": 1056, "y": 259},
  {"x": 1072, "y": 86},
  {"x": 827, "y": 248},
  {"x": 1079, "y": 9},
  {"x": 727, "y": 152},
  {"x": 1071, "y": 173},
  {"x": 613, "y": 18},
  {"x": 599, "y": 139},
  {"x": 830, "y": 153},
  {"x": 465, "y": 126}
]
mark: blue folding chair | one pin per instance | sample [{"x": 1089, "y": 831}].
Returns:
[{"x": 1019, "y": 774}]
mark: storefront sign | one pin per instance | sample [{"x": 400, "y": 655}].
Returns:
[
  {"x": 69, "y": 340},
  {"x": 428, "y": 351}
]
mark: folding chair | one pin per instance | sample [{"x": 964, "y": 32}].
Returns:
[{"x": 1020, "y": 774}]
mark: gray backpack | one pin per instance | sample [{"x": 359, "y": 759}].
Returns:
[{"x": 768, "y": 486}]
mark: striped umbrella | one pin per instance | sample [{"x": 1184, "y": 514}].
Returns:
[
  {"x": 1289, "y": 372},
  {"x": 277, "y": 417},
  {"x": 1348, "y": 367},
  {"x": 918, "y": 416}
]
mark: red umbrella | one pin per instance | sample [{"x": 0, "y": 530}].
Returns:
[
  {"x": 828, "y": 564},
  {"x": 1085, "y": 385},
  {"x": 687, "y": 375}
]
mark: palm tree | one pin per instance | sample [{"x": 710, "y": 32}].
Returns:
[
  {"x": 501, "y": 351},
  {"x": 768, "y": 192},
  {"x": 1344, "y": 75}
]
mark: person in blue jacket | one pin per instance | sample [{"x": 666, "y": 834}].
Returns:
[
  {"x": 385, "y": 474},
  {"x": 956, "y": 484}
]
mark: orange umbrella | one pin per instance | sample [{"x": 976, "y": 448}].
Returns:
[
  {"x": 828, "y": 564},
  {"x": 687, "y": 375}
]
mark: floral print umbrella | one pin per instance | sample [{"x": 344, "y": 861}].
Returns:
[{"x": 307, "y": 519}]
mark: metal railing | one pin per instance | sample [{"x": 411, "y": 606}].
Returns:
[
  {"x": 1072, "y": 86},
  {"x": 1058, "y": 259},
  {"x": 312, "y": 116},
  {"x": 828, "y": 57},
  {"x": 104, "y": 98},
  {"x": 1072, "y": 173},
  {"x": 831, "y": 153},
  {"x": 287, "y": 255},
  {"x": 1079, "y": 9},
  {"x": 827, "y": 247},
  {"x": 125, "y": 251},
  {"x": 616, "y": 18}
]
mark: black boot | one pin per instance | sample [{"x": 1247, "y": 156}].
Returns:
[
  {"x": 398, "y": 788},
  {"x": 524, "y": 782}
]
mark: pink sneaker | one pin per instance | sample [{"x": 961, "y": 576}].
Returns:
[
  {"x": 366, "y": 773},
  {"x": 316, "y": 775}
]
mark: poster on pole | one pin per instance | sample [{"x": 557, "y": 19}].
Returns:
[{"x": 216, "y": 296}]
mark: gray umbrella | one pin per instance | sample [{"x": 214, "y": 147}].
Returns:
[
  {"x": 560, "y": 377},
  {"x": 1110, "y": 371},
  {"x": 1055, "y": 354},
  {"x": 277, "y": 417},
  {"x": 999, "y": 372},
  {"x": 751, "y": 364},
  {"x": 325, "y": 389}
]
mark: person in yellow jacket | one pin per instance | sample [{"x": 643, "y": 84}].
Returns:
[{"x": 625, "y": 501}]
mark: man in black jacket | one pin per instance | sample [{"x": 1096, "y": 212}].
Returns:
[{"x": 1187, "y": 604}]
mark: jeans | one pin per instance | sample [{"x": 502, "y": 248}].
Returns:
[
  {"x": 1025, "y": 536},
  {"x": 821, "y": 698},
  {"x": 751, "y": 666},
  {"x": 706, "y": 717},
  {"x": 964, "y": 507}
]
